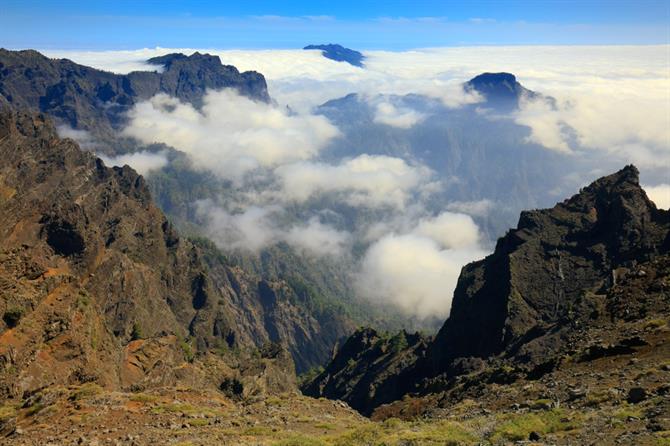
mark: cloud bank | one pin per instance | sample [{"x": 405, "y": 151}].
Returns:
[
  {"x": 367, "y": 180},
  {"x": 659, "y": 194},
  {"x": 418, "y": 270},
  {"x": 232, "y": 135},
  {"x": 611, "y": 108}
]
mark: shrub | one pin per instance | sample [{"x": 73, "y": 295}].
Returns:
[{"x": 12, "y": 317}]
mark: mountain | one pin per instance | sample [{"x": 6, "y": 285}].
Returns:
[
  {"x": 96, "y": 284},
  {"x": 339, "y": 53},
  {"x": 572, "y": 288},
  {"x": 477, "y": 151},
  {"x": 96, "y": 101},
  {"x": 500, "y": 90},
  {"x": 88, "y": 99}
]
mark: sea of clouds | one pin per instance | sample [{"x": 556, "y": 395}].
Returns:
[{"x": 611, "y": 103}]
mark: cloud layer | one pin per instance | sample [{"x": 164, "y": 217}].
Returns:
[
  {"x": 367, "y": 180},
  {"x": 232, "y": 135},
  {"x": 418, "y": 270},
  {"x": 611, "y": 108}
]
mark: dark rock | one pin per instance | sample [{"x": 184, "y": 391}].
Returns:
[
  {"x": 85, "y": 98},
  {"x": 339, "y": 53},
  {"x": 500, "y": 90},
  {"x": 636, "y": 395},
  {"x": 534, "y": 436}
]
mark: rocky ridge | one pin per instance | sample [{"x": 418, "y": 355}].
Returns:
[
  {"x": 88, "y": 99},
  {"x": 96, "y": 285},
  {"x": 568, "y": 289}
]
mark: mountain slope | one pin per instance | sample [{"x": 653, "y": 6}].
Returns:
[
  {"x": 579, "y": 280},
  {"x": 97, "y": 285},
  {"x": 88, "y": 99}
]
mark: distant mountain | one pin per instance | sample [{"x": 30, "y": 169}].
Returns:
[
  {"x": 574, "y": 283},
  {"x": 478, "y": 155},
  {"x": 500, "y": 90},
  {"x": 339, "y": 53},
  {"x": 85, "y": 98}
]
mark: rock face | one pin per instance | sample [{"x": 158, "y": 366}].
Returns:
[
  {"x": 96, "y": 101},
  {"x": 366, "y": 367},
  {"x": 590, "y": 267},
  {"x": 500, "y": 90},
  {"x": 548, "y": 270},
  {"x": 95, "y": 284},
  {"x": 88, "y": 99},
  {"x": 339, "y": 53}
]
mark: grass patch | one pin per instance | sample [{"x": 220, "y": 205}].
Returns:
[
  {"x": 626, "y": 412},
  {"x": 34, "y": 409},
  {"x": 199, "y": 422},
  {"x": 300, "y": 440},
  {"x": 655, "y": 323},
  {"x": 259, "y": 431},
  {"x": 518, "y": 427},
  {"x": 7, "y": 412},
  {"x": 143, "y": 398},
  {"x": 397, "y": 432},
  {"x": 85, "y": 391}
]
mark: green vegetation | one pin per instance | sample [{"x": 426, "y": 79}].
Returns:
[
  {"x": 136, "y": 333},
  {"x": 85, "y": 391},
  {"x": 515, "y": 427},
  {"x": 6, "y": 413},
  {"x": 186, "y": 347},
  {"x": 309, "y": 375},
  {"x": 300, "y": 440}
]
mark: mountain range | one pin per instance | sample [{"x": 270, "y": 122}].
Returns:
[{"x": 118, "y": 327}]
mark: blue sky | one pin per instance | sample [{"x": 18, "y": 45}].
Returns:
[{"x": 389, "y": 24}]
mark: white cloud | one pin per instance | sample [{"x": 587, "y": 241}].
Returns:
[
  {"x": 479, "y": 208},
  {"x": 251, "y": 229},
  {"x": 401, "y": 117},
  {"x": 418, "y": 270},
  {"x": 84, "y": 138},
  {"x": 659, "y": 194},
  {"x": 450, "y": 230},
  {"x": 318, "y": 239},
  {"x": 414, "y": 273},
  {"x": 369, "y": 180},
  {"x": 143, "y": 162},
  {"x": 257, "y": 227},
  {"x": 232, "y": 135}
]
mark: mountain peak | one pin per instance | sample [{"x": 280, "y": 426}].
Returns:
[
  {"x": 501, "y": 90},
  {"x": 339, "y": 53}
]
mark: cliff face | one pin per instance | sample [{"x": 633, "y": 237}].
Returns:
[
  {"x": 88, "y": 99},
  {"x": 589, "y": 268},
  {"x": 95, "y": 284},
  {"x": 547, "y": 270}
]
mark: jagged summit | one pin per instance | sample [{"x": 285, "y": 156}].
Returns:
[
  {"x": 563, "y": 277},
  {"x": 500, "y": 90},
  {"x": 197, "y": 58},
  {"x": 85, "y": 98},
  {"x": 339, "y": 53}
]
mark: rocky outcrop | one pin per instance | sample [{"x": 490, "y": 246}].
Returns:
[
  {"x": 500, "y": 90},
  {"x": 339, "y": 53},
  {"x": 366, "y": 369},
  {"x": 593, "y": 267},
  {"x": 85, "y": 98},
  {"x": 550, "y": 270}
]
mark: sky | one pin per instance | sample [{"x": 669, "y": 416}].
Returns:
[{"x": 387, "y": 25}]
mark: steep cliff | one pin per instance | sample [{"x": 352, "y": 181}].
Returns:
[
  {"x": 95, "y": 284},
  {"x": 574, "y": 280}
]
